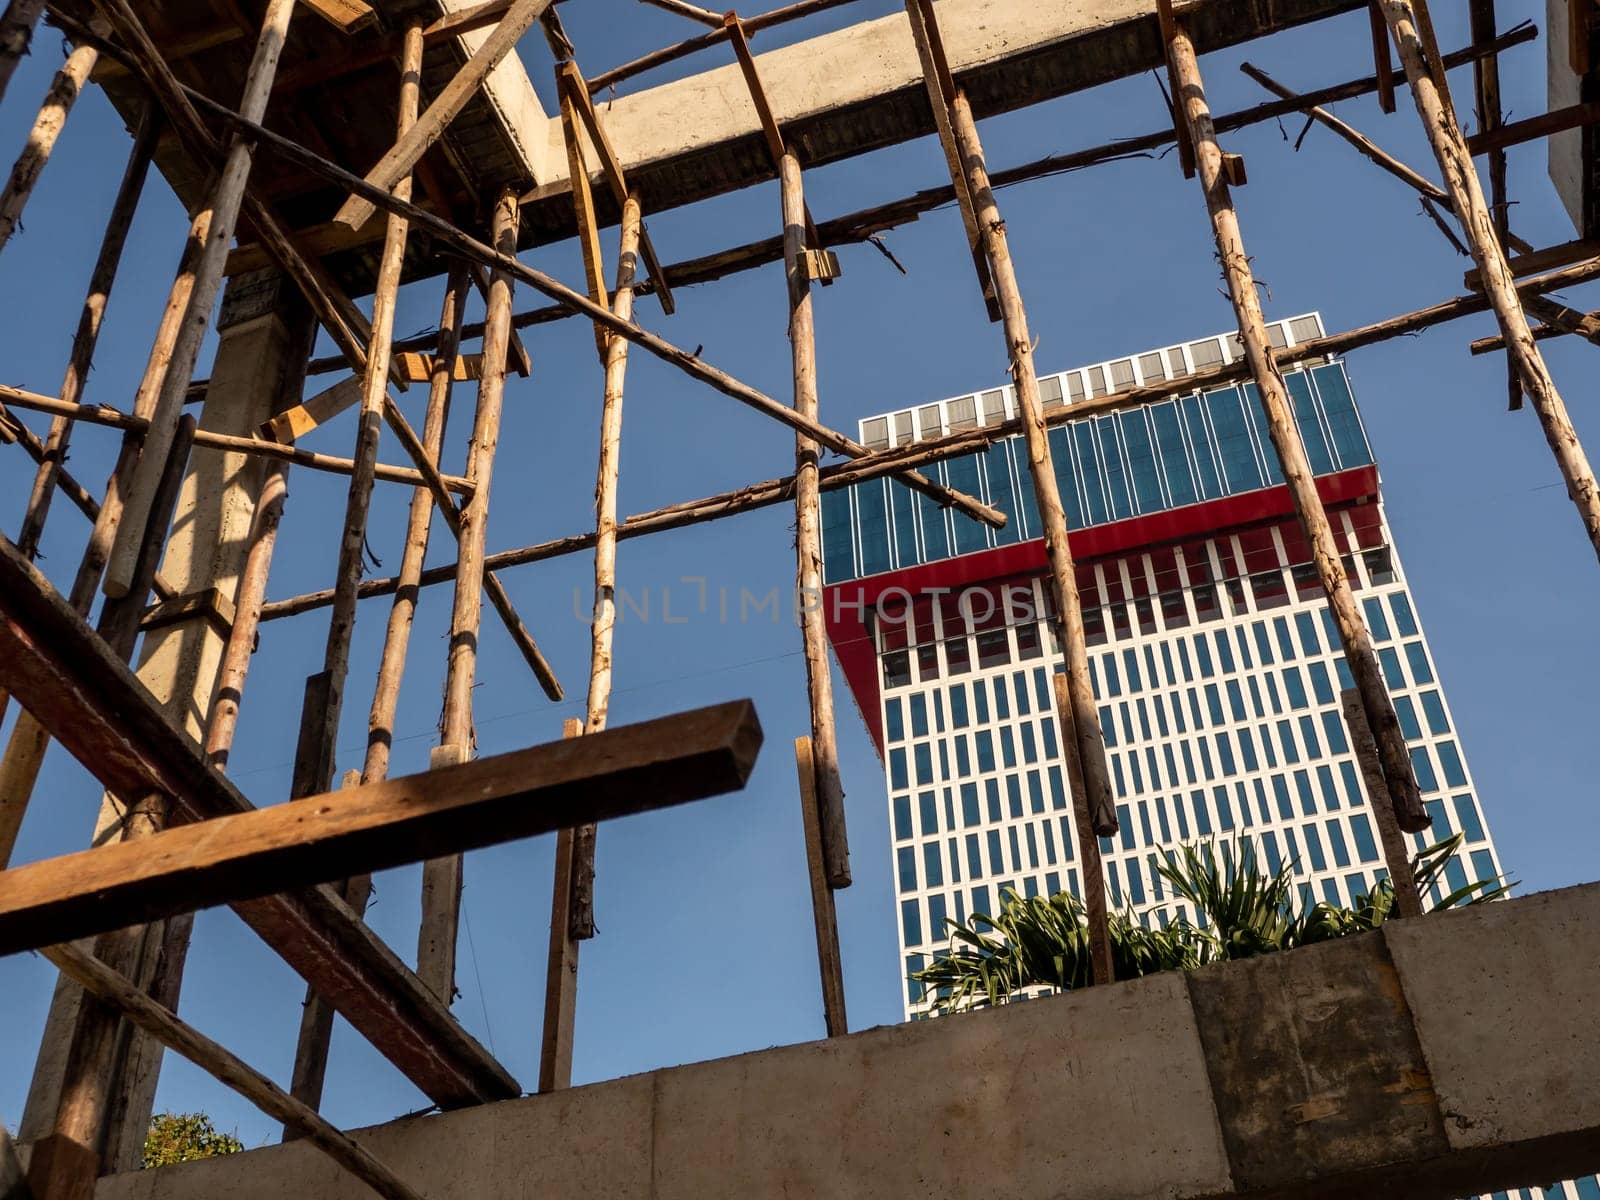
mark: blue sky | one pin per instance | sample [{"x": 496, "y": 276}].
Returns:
[{"x": 705, "y": 944}]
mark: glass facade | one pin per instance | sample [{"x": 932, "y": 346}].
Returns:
[{"x": 1144, "y": 460}]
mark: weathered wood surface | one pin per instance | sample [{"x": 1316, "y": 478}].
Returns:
[
  {"x": 637, "y": 768},
  {"x": 1298, "y": 476},
  {"x": 64, "y": 91},
  {"x": 55, "y": 666},
  {"x": 561, "y": 963},
  {"x": 824, "y": 916}
]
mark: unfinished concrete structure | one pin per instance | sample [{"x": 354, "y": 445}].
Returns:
[{"x": 469, "y": 171}]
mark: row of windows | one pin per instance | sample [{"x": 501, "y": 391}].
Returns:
[
  {"x": 999, "y": 404},
  {"x": 1110, "y": 468}
]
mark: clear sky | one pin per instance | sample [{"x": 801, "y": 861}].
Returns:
[{"x": 705, "y": 947}]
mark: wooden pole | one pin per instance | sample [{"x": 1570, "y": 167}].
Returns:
[
  {"x": 602, "y": 628},
  {"x": 441, "y": 877},
  {"x": 318, "y": 775},
  {"x": 1431, "y": 96},
  {"x": 1102, "y": 964},
  {"x": 224, "y": 716},
  {"x": 87, "y": 335},
  {"x": 808, "y": 532},
  {"x": 1406, "y": 899},
  {"x": 16, "y": 35},
  {"x": 111, "y": 988},
  {"x": 185, "y": 346},
  {"x": 561, "y": 967},
  {"x": 1081, "y": 717},
  {"x": 64, "y": 91},
  {"x": 1297, "y": 472},
  {"x": 824, "y": 917}
]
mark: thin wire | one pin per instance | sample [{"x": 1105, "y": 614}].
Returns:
[{"x": 488, "y": 1029}]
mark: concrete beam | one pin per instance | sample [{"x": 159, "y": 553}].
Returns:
[{"x": 1449, "y": 1054}]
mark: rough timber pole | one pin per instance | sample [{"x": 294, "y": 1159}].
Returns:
[
  {"x": 1102, "y": 965},
  {"x": 1461, "y": 181},
  {"x": 16, "y": 34},
  {"x": 88, "y": 332},
  {"x": 316, "y": 1022},
  {"x": 64, "y": 91},
  {"x": 441, "y": 878},
  {"x": 314, "y": 773},
  {"x": 1080, "y": 720},
  {"x": 1291, "y": 450},
  {"x": 223, "y": 203},
  {"x": 561, "y": 969},
  {"x": 808, "y": 532}
]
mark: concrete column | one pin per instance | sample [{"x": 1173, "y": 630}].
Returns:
[{"x": 265, "y": 337}]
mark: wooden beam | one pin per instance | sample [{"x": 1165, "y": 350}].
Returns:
[
  {"x": 570, "y": 81},
  {"x": 1381, "y": 58},
  {"x": 1395, "y": 857},
  {"x": 63, "y": 93},
  {"x": 1359, "y": 652},
  {"x": 1102, "y": 965},
  {"x": 637, "y": 768},
  {"x": 347, "y": 16},
  {"x": 588, "y": 227},
  {"x": 1557, "y": 120},
  {"x": 693, "y": 11},
  {"x": 1520, "y": 265},
  {"x": 91, "y": 702},
  {"x": 113, "y": 989},
  {"x": 430, "y": 126},
  {"x": 387, "y": 47},
  {"x": 830, "y": 965},
  {"x": 1559, "y": 321}
]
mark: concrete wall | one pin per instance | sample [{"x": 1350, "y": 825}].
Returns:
[
  {"x": 1453, "y": 1054},
  {"x": 1565, "y": 149}
]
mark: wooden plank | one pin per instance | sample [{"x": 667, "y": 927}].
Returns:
[
  {"x": 294, "y": 423},
  {"x": 588, "y": 227},
  {"x": 570, "y": 80},
  {"x": 1557, "y": 120},
  {"x": 347, "y": 16},
  {"x": 636, "y": 768},
  {"x": 1381, "y": 60},
  {"x": 72, "y": 683},
  {"x": 830, "y": 965},
  {"x": 430, "y": 126},
  {"x": 115, "y": 990},
  {"x": 419, "y": 368},
  {"x": 1547, "y": 259}
]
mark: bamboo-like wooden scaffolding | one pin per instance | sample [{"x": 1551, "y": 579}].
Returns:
[{"x": 135, "y": 971}]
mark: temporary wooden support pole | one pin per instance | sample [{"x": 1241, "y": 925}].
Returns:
[
  {"x": 561, "y": 969},
  {"x": 87, "y": 335},
  {"x": 16, "y": 35},
  {"x": 204, "y": 439},
  {"x": 1486, "y": 91},
  {"x": 583, "y": 210},
  {"x": 112, "y": 988},
  {"x": 602, "y": 627},
  {"x": 441, "y": 875},
  {"x": 398, "y": 162},
  {"x": 690, "y": 364},
  {"x": 636, "y": 768},
  {"x": 941, "y": 92},
  {"x": 64, "y": 91},
  {"x": 824, "y": 747},
  {"x": 375, "y": 391},
  {"x": 1558, "y": 319},
  {"x": 223, "y": 204},
  {"x": 830, "y": 965},
  {"x": 1081, "y": 718},
  {"x": 1102, "y": 965},
  {"x": 1395, "y": 858},
  {"x": 223, "y": 719},
  {"x": 884, "y": 463},
  {"x": 1297, "y": 472},
  {"x": 1407, "y": 26}
]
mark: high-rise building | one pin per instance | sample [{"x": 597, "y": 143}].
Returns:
[{"x": 1216, "y": 667}]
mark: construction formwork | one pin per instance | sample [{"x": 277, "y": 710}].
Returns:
[{"x": 442, "y": 173}]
